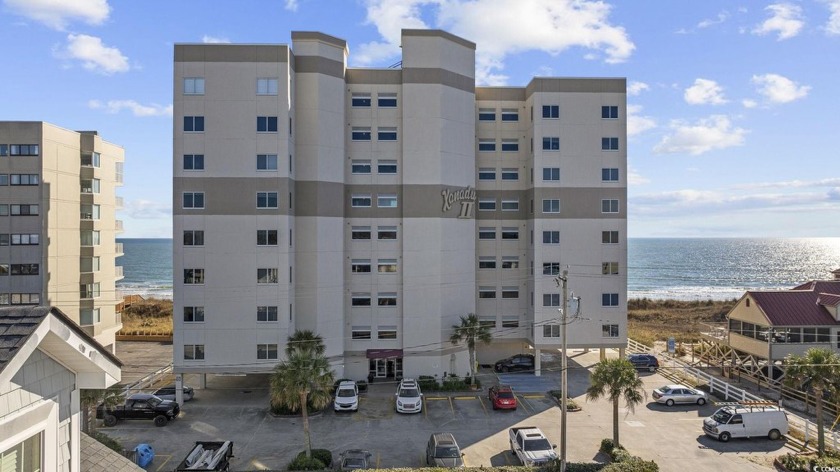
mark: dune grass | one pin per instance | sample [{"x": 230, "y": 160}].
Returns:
[
  {"x": 152, "y": 316},
  {"x": 657, "y": 320}
]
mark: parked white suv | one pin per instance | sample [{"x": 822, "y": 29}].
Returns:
[
  {"x": 409, "y": 398},
  {"x": 347, "y": 396}
]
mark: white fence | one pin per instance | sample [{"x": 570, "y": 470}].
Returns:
[{"x": 148, "y": 381}]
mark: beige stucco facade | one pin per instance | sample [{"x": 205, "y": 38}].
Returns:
[{"x": 379, "y": 210}]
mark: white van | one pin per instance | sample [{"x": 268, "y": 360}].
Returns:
[{"x": 747, "y": 420}]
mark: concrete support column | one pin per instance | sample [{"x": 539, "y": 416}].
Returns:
[
  {"x": 603, "y": 353},
  {"x": 586, "y": 350},
  {"x": 179, "y": 389},
  {"x": 202, "y": 381},
  {"x": 622, "y": 351},
  {"x": 537, "y": 363}
]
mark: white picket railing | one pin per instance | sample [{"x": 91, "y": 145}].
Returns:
[{"x": 148, "y": 381}]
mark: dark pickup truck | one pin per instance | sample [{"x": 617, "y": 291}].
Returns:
[{"x": 140, "y": 406}]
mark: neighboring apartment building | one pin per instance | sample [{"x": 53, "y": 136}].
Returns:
[
  {"x": 376, "y": 206},
  {"x": 58, "y": 225}
]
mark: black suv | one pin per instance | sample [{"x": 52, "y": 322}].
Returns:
[
  {"x": 644, "y": 362},
  {"x": 514, "y": 363}
]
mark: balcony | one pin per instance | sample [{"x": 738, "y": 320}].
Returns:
[
  {"x": 118, "y": 226},
  {"x": 118, "y": 202},
  {"x": 118, "y": 273},
  {"x": 118, "y": 173},
  {"x": 118, "y": 249}
]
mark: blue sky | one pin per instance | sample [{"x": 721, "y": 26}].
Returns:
[{"x": 732, "y": 106}]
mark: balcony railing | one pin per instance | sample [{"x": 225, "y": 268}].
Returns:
[
  {"x": 118, "y": 202},
  {"x": 118, "y": 272},
  {"x": 118, "y": 249},
  {"x": 118, "y": 226}
]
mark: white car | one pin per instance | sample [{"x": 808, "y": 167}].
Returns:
[
  {"x": 346, "y": 396},
  {"x": 671, "y": 394},
  {"x": 409, "y": 398}
]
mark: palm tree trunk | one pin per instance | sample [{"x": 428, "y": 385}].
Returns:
[
  {"x": 615, "y": 423},
  {"x": 472, "y": 366},
  {"x": 820, "y": 423},
  {"x": 305, "y": 414}
]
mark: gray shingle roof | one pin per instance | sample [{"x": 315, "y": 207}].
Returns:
[
  {"x": 96, "y": 457},
  {"x": 16, "y": 325}
]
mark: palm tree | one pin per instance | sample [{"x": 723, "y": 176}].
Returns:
[
  {"x": 820, "y": 370},
  {"x": 303, "y": 380},
  {"x": 91, "y": 398},
  {"x": 471, "y": 330},
  {"x": 615, "y": 379}
]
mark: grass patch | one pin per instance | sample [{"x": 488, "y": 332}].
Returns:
[
  {"x": 151, "y": 316},
  {"x": 649, "y": 320}
]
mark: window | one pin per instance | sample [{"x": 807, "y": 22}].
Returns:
[
  {"x": 609, "y": 174},
  {"x": 193, "y": 314},
  {"x": 386, "y": 133},
  {"x": 386, "y": 299},
  {"x": 360, "y": 201},
  {"x": 487, "y": 321},
  {"x": 266, "y": 237},
  {"x": 89, "y": 316},
  {"x": 266, "y": 161},
  {"x": 510, "y": 292},
  {"x": 193, "y": 199},
  {"x": 486, "y": 292},
  {"x": 551, "y": 331},
  {"x": 609, "y": 112},
  {"x": 4, "y": 180},
  {"x": 510, "y": 114},
  {"x": 360, "y": 232},
  {"x": 193, "y": 352},
  {"x": 89, "y": 238},
  {"x": 89, "y": 264},
  {"x": 486, "y": 262},
  {"x": 266, "y": 351},
  {"x": 609, "y": 299},
  {"x": 24, "y": 269},
  {"x": 266, "y": 199},
  {"x": 486, "y": 233},
  {"x": 30, "y": 298},
  {"x": 24, "y": 210},
  {"x": 23, "y": 179},
  {"x": 192, "y": 124},
  {"x": 26, "y": 150},
  {"x": 89, "y": 212},
  {"x": 386, "y": 201},
  {"x": 551, "y": 268},
  {"x": 89, "y": 290},
  {"x": 510, "y": 233},
  {"x": 387, "y": 100},
  {"x": 609, "y": 268},
  {"x": 4, "y": 209},
  {"x": 486, "y": 114},
  {"x": 510, "y": 262},
  {"x": 386, "y": 233},
  {"x": 27, "y": 239},
  {"x": 267, "y": 314},
  {"x": 386, "y": 167},
  {"x": 386, "y": 332},
  {"x": 551, "y": 299},
  {"x": 267, "y": 276},
  {"x": 4, "y": 149},
  {"x": 609, "y": 237},
  {"x": 267, "y": 86},
  {"x": 551, "y": 143},
  {"x": 609, "y": 331},
  {"x": 551, "y": 111},
  {"x": 193, "y": 238},
  {"x": 486, "y": 204},
  {"x": 193, "y": 161},
  {"x": 360, "y": 332},
  {"x": 91, "y": 159},
  {"x": 510, "y": 174},
  {"x": 266, "y": 124},
  {"x": 361, "y": 134},
  {"x": 360, "y": 100},
  {"x": 387, "y": 266},
  {"x": 510, "y": 145},
  {"x": 551, "y": 237},
  {"x": 486, "y": 173},
  {"x": 194, "y": 276},
  {"x": 90, "y": 186},
  {"x": 360, "y": 266},
  {"x": 510, "y": 205},
  {"x": 551, "y": 206},
  {"x": 609, "y": 144},
  {"x": 193, "y": 85},
  {"x": 609, "y": 206},
  {"x": 486, "y": 145},
  {"x": 551, "y": 173},
  {"x": 4, "y": 271},
  {"x": 360, "y": 299},
  {"x": 510, "y": 321},
  {"x": 358, "y": 166},
  {"x": 24, "y": 456}
]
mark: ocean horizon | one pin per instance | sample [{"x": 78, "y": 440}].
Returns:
[{"x": 657, "y": 268}]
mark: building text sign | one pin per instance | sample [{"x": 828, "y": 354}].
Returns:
[{"x": 464, "y": 196}]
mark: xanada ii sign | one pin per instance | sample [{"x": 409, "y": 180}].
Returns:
[{"x": 464, "y": 196}]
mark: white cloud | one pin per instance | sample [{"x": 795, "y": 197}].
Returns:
[
  {"x": 214, "y": 39},
  {"x": 708, "y": 134},
  {"x": 779, "y": 89},
  {"x": 147, "y": 209},
  {"x": 749, "y": 103},
  {"x": 137, "y": 109},
  {"x": 832, "y": 27},
  {"x": 636, "y": 123},
  {"x": 292, "y": 5},
  {"x": 704, "y": 92},
  {"x": 635, "y": 88},
  {"x": 785, "y": 20},
  {"x": 634, "y": 178},
  {"x": 95, "y": 55},
  {"x": 552, "y": 26},
  {"x": 721, "y": 17},
  {"x": 831, "y": 183},
  {"x": 57, "y": 14}
]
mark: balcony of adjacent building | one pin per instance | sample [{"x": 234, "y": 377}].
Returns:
[
  {"x": 118, "y": 226},
  {"x": 118, "y": 173},
  {"x": 118, "y": 273},
  {"x": 118, "y": 250},
  {"x": 119, "y": 204}
]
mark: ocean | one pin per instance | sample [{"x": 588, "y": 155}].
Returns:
[{"x": 658, "y": 268}]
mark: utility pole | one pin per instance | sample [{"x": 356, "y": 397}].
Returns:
[{"x": 564, "y": 366}]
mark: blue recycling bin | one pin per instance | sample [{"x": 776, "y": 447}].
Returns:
[{"x": 144, "y": 454}]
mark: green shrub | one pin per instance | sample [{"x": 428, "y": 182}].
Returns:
[
  {"x": 632, "y": 464},
  {"x": 581, "y": 467},
  {"x": 607, "y": 446},
  {"x": 806, "y": 463},
  {"x": 427, "y": 382},
  {"x": 283, "y": 410},
  {"x": 108, "y": 441},
  {"x": 619, "y": 454},
  {"x": 304, "y": 463},
  {"x": 323, "y": 455}
]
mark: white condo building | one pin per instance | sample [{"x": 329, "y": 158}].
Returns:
[{"x": 377, "y": 206}]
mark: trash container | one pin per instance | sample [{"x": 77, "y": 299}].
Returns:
[{"x": 144, "y": 454}]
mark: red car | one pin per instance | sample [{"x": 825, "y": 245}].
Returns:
[{"x": 502, "y": 396}]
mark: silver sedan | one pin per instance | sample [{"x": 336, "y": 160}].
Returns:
[{"x": 671, "y": 394}]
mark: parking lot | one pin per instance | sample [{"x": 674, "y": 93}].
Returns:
[{"x": 235, "y": 408}]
